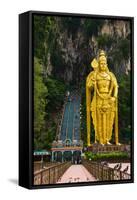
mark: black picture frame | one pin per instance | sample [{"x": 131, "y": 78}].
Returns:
[{"x": 26, "y": 102}]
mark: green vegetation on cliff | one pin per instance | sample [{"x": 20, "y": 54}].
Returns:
[
  {"x": 48, "y": 100},
  {"x": 40, "y": 103}
]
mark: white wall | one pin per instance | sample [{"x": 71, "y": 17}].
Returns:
[{"x": 9, "y": 11}]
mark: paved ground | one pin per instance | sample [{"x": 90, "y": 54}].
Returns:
[
  {"x": 76, "y": 173},
  {"x": 124, "y": 165}
]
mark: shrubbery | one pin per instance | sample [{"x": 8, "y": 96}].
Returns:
[{"x": 106, "y": 156}]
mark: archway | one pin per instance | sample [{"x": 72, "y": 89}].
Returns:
[
  {"x": 67, "y": 156},
  {"x": 68, "y": 142},
  {"x": 77, "y": 157},
  {"x": 57, "y": 156}
]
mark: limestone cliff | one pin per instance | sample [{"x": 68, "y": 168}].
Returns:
[{"x": 71, "y": 43}]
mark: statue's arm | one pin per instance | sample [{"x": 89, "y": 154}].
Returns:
[
  {"x": 116, "y": 90},
  {"x": 115, "y": 86},
  {"x": 90, "y": 82}
]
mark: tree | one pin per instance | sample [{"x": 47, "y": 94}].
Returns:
[
  {"x": 56, "y": 91},
  {"x": 125, "y": 114},
  {"x": 40, "y": 102}
]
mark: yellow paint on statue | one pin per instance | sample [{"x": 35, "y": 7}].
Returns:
[{"x": 103, "y": 107}]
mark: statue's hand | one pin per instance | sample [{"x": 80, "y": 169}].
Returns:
[
  {"x": 90, "y": 83},
  {"x": 113, "y": 99}
]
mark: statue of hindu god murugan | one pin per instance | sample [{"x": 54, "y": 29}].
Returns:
[{"x": 103, "y": 107}]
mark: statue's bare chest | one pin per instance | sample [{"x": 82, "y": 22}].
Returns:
[{"x": 103, "y": 82}]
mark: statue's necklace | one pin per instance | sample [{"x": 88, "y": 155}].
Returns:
[{"x": 104, "y": 75}]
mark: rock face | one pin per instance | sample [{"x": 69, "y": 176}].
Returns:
[
  {"x": 118, "y": 28},
  {"x": 76, "y": 43}
]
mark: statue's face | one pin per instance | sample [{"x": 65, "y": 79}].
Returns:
[{"x": 103, "y": 65}]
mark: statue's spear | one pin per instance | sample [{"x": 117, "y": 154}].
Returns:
[
  {"x": 94, "y": 65},
  {"x": 116, "y": 124},
  {"x": 89, "y": 83}
]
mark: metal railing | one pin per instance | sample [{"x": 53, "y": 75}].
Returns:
[
  {"x": 50, "y": 175},
  {"x": 39, "y": 165},
  {"x": 104, "y": 173}
]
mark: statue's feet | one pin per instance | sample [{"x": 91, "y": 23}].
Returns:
[
  {"x": 95, "y": 143},
  {"x": 108, "y": 143},
  {"x": 101, "y": 144},
  {"x": 118, "y": 143}
]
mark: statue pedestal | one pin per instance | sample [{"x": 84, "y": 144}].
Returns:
[{"x": 97, "y": 148}]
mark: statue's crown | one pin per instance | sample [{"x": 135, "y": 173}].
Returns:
[{"x": 102, "y": 53}]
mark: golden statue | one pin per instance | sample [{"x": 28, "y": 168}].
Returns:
[{"x": 103, "y": 107}]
